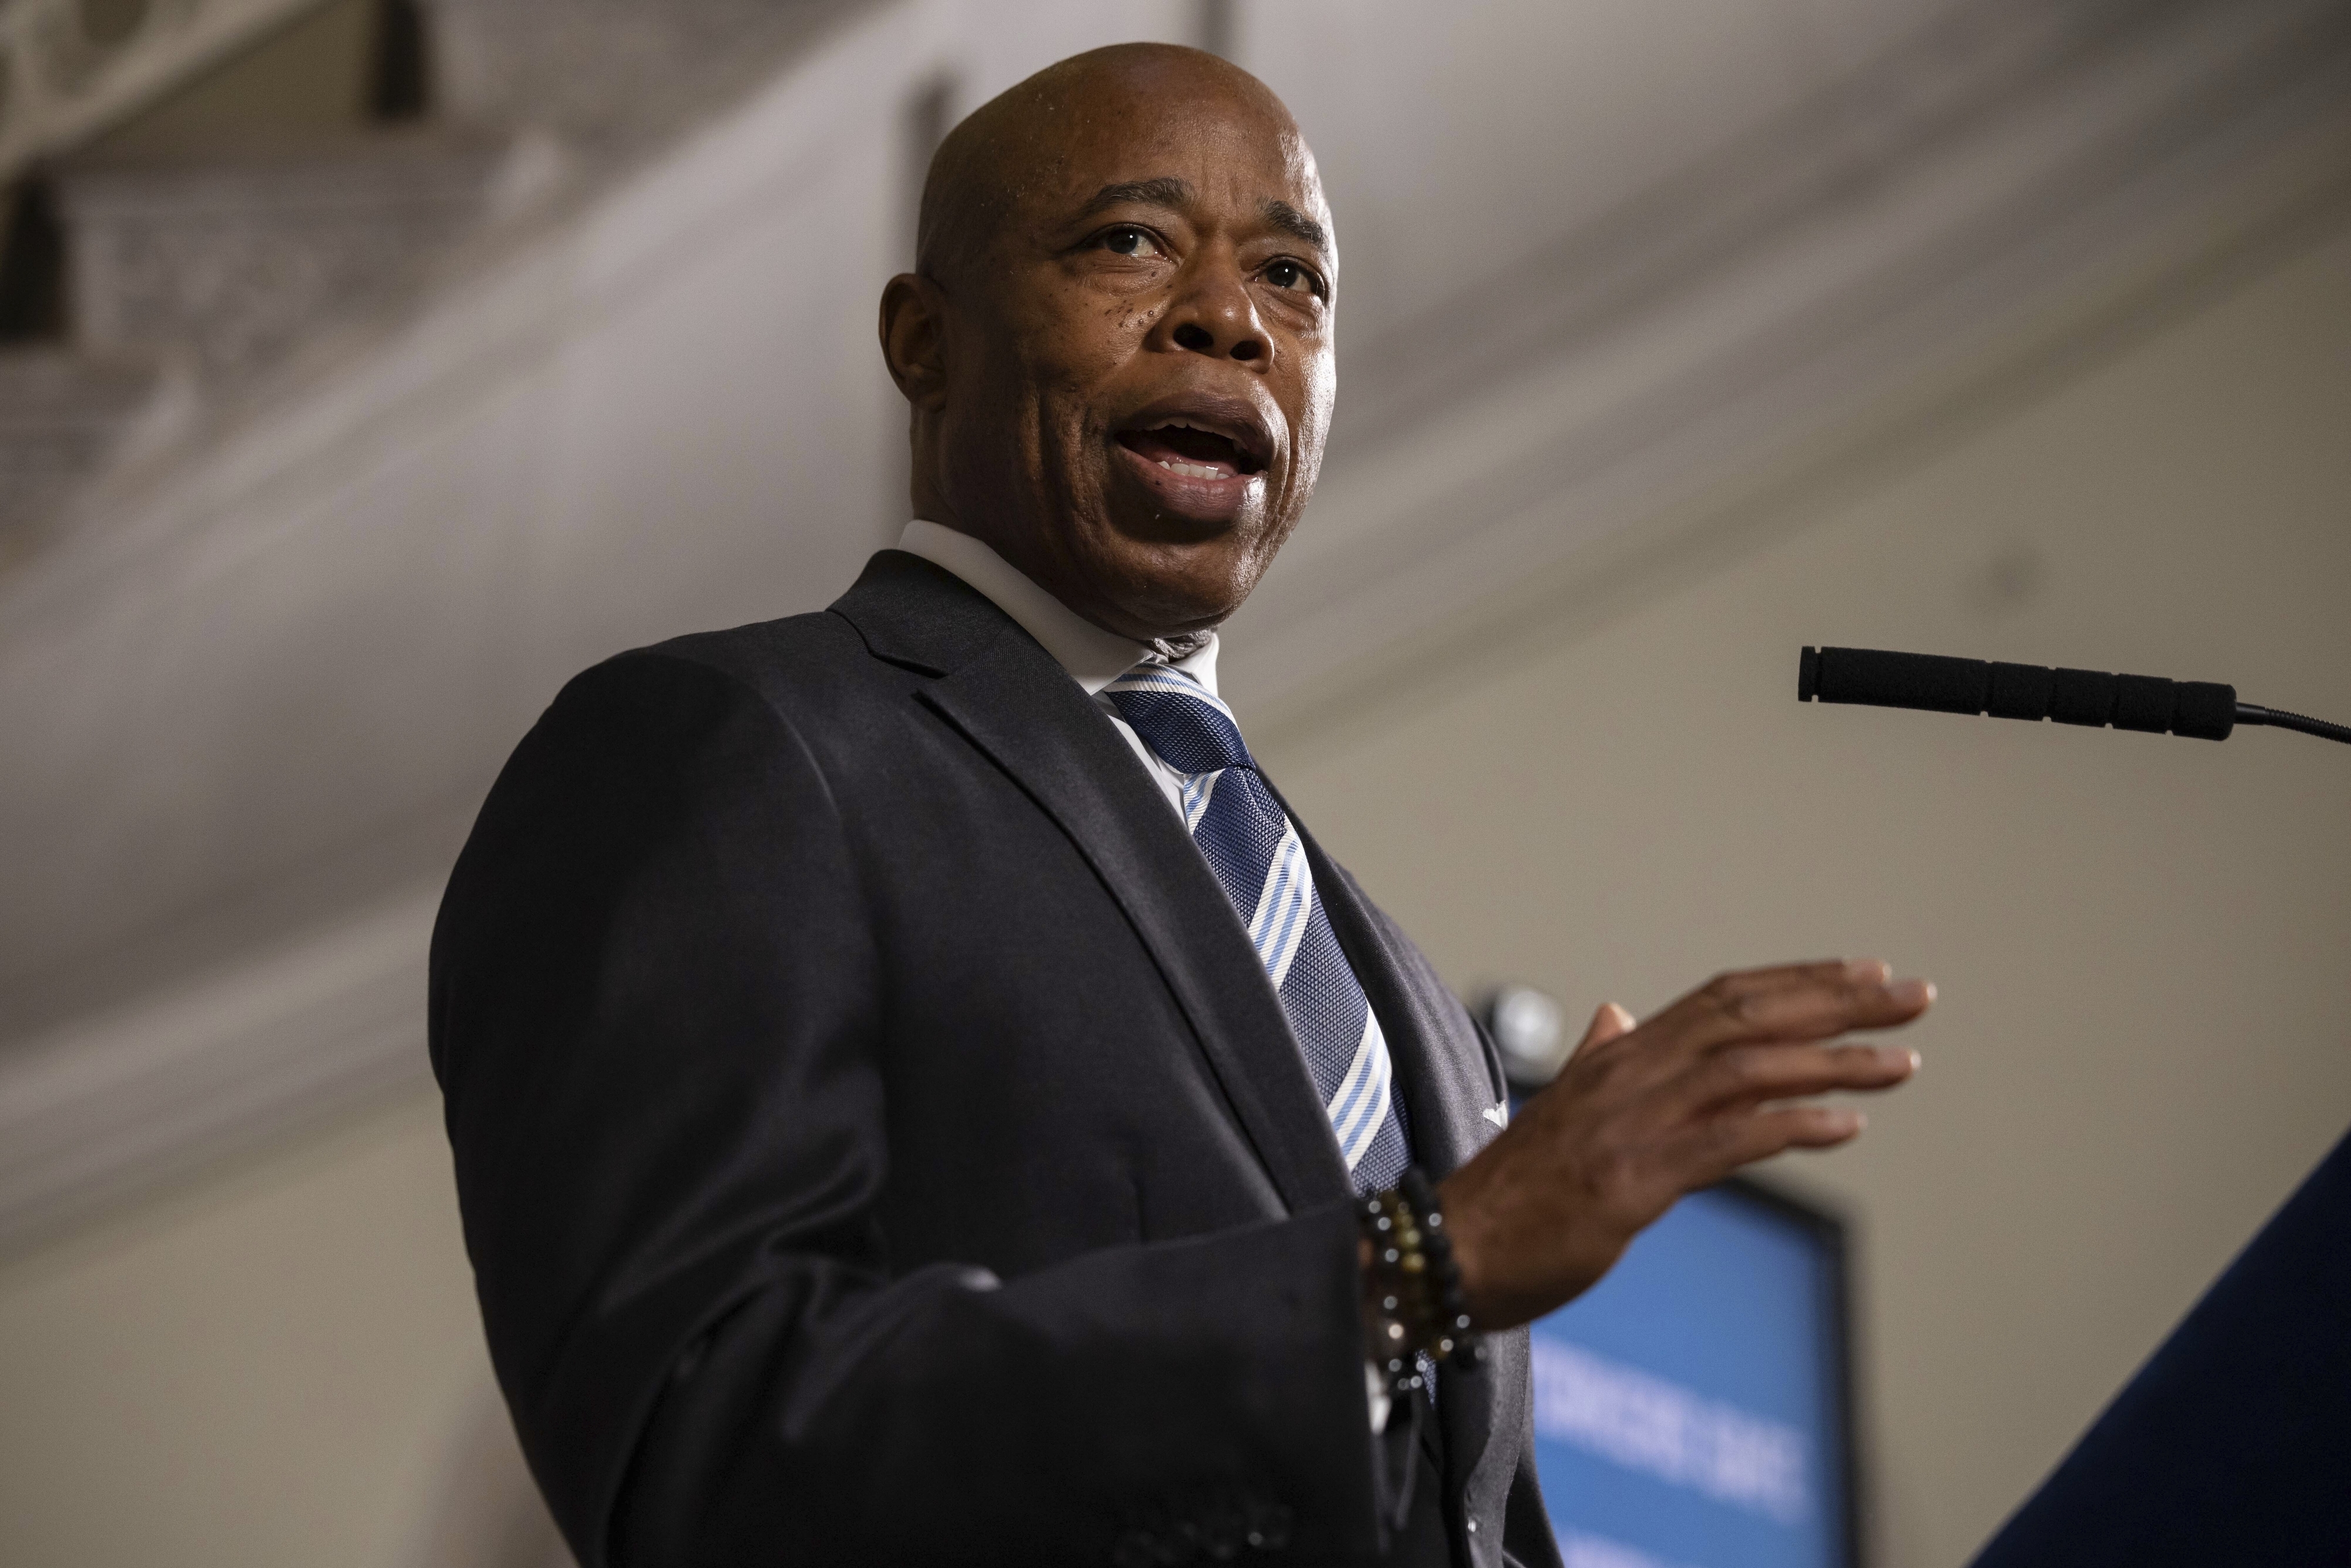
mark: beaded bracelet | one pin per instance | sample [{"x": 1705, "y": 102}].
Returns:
[{"x": 1415, "y": 1296}]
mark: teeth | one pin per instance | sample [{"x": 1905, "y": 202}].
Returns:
[{"x": 1192, "y": 470}]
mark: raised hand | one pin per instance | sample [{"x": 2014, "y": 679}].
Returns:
[{"x": 1644, "y": 1114}]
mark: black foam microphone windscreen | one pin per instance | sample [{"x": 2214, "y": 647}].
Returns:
[{"x": 2202, "y": 709}]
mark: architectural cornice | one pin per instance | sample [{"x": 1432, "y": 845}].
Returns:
[{"x": 129, "y": 1099}]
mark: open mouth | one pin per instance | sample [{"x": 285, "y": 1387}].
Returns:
[{"x": 1186, "y": 449}]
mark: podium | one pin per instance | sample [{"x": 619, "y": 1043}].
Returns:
[{"x": 2232, "y": 1445}]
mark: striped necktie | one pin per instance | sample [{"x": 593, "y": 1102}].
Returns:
[{"x": 1254, "y": 850}]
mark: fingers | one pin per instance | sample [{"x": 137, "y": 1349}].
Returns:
[
  {"x": 1648, "y": 1111},
  {"x": 1755, "y": 1074},
  {"x": 1607, "y": 1023},
  {"x": 1799, "y": 1002},
  {"x": 1735, "y": 1141}
]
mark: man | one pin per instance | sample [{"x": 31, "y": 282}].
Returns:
[{"x": 915, "y": 1087}]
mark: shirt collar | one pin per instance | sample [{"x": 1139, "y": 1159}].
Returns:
[{"x": 1093, "y": 657}]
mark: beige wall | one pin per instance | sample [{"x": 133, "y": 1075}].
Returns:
[
  {"x": 278, "y": 1367},
  {"x": 2139, "y": 941}
]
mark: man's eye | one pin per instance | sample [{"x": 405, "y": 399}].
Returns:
[
  {"x": 1130, "y": 242},
  {"x": 1289, "y": 275}
]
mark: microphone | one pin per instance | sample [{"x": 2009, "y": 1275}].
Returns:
[{"x": 2150, "y": 704}]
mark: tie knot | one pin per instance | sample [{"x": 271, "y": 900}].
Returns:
[{"x": 1180, "y": 719}]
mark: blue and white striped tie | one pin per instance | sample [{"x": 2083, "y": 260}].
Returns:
[{"x": 1257, "y": 857}]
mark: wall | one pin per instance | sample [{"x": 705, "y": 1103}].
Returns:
[{"x": 280, "y": 1365}]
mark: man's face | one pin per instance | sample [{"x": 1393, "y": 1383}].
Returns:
[{"x": 1138, "y": 366}]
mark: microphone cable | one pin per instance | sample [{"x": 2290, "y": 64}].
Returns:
[{"x": 2278, "y": 718}]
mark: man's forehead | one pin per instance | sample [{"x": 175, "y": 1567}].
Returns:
[
  {"x": 1184, "y": 155},
  {"x": 1172, "y": 126}
]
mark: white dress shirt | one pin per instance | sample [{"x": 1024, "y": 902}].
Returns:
[{"x": 1093, "y": 658}]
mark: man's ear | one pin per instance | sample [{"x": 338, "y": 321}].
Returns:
[{"x": 914, "y": 338}]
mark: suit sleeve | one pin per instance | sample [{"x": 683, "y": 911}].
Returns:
[{"x": 656, "y": 1016}]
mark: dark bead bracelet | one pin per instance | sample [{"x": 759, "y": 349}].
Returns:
[{"x": 1414, "y": 1285}]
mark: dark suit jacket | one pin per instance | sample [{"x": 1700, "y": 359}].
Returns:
[{"x": 879, "y": 1143}]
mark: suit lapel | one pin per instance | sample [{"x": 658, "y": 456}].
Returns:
[{"x": 1011, "y": 701}]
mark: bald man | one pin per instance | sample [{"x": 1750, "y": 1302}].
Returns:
[{"x": 920, "y": 1096}]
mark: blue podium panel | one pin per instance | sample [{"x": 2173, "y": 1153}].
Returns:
[{"x": 1690, "y": 1410}]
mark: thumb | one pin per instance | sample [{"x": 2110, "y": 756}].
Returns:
[{"x": 1609, "y": 1022}]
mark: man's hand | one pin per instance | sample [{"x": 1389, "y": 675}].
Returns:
[{"x": 1642, "y": 1114}]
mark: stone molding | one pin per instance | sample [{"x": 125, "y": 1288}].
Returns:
[
  {"x": 60, "y": 414},
  {"x": 127, "y": 1100},
  {"x": 589, "y": 70},
  {"x": 69, "y": 69},
  {"x": 227, "y": 262}
]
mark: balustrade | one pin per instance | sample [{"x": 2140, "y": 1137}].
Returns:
[{"x": 68, "y": 69}]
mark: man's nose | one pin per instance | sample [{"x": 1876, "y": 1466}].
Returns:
[{"x": 1216, "y": 316}]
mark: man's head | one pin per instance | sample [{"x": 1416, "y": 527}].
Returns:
[{"x": 1118, "y": 338}]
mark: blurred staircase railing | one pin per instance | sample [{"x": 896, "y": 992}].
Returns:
[
  {"x": 147, "y": 278},
  {"x": 69, "y": 69}
]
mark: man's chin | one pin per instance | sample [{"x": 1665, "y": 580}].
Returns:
[{"x": 1162, "y": 592}]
